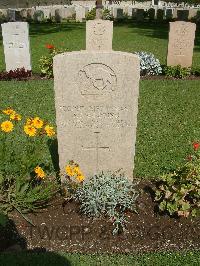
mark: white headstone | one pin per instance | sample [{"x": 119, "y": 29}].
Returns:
[
  {"x": 181, "y": 43},
  {"x": 99, "y": 34},
  {"x": 96, "y": 96},
  {"x": 16, "y": 45},
  {"x": 80, "y": 14}
]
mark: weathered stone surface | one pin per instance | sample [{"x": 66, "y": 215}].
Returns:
[
  {"x": 181, "y": 43},
  {"x": 192, "y": 13},
  {"x": 16, "y": 45},
  {"x": 96, "y": 97},
  {"x": 99, "y": 34},
  {"x": 80, "y": 13}
]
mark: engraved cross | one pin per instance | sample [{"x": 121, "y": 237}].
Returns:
[{"x": 97, "y": 149}]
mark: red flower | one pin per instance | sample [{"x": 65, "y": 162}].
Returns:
[
  {"x": 49, "y": 46},
  {"x": 195, "y": 145}
]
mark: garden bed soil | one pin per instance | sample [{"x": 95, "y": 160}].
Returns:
[{"x": 61, "y": 227}]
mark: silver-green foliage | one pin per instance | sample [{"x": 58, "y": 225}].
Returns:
[
  {"x": 149, "y": 65},
  {"x": 107, "y": 194}
]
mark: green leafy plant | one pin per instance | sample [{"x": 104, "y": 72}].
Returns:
[
  {"x": 38, "y": 16},
  {"x": 107, "y": 15},
  {"x": 91, "y": 14},
  {"x": 46, "y": 62},
  {"x": 110, "y": 195},
  {"x": 25, "y": 194},
  {"x": 151, "y": 14},
  {"x": 3, "y": 219},
  {"x": 196, "y": 71},
  {"x": 178, "y": 192},
  {"x": 177, "y": 71}
]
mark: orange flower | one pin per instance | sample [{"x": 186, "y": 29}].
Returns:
[
  {"x": 49, "y": 46},
  {"x": 40, "y": 173}
]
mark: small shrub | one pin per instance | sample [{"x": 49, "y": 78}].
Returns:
[
  {"x": 160, "y": 15},
  {"x": 151, "y": 14},
  {"x": 178, "y": 192},
  {"x": 177, "y": 71},
  {"x": 91, "y": 15},
  {"x": 38, "y": 16},
  {"x": 107, "y": 195},
  {"x": 196, "y": 71},
  {"x": 18, "y": 74},
  {"x": 149, "y": 65},
  {"x": 46, "y": 62},
  {"x": 197, "y": 17},
  {"x": 107, "y": 15}
]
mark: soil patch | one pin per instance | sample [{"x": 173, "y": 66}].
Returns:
[{"x": 61, "y": 227}]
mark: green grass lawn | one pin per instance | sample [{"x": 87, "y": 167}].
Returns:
[
  {"x": 62, "y": 259},
  {"x": 130, "y": 37},
  {"x": 168, "y": 119}
]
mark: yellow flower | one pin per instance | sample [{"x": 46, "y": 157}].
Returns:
[
  {"x": 77, "y": 170},
  {"x": 29, "y": 122},
  {"x": 69, "y": 170},
  {"x": 80, "y": 177},
  {"x": 8, "y": 111},
  {"x": 15, "y": 116},
  {"x": 40, "y": 173},
  {"x": 7, "y": 126},
  {"x": 49, "y": 131},
  {"x": 30, "y": 130},
  {"x": 37, "y": 122}
]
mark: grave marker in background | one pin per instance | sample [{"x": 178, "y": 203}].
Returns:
[
  {"x": 99, "y": 34},
  {"x": 16, "y": 45},
  {"x": 181, "y": 43},
  {"x": 80, "y": 13}
]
